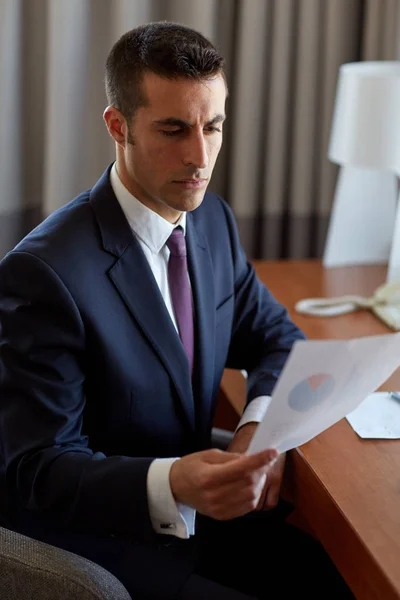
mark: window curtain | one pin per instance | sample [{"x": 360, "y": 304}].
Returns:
[{"x": 282, "y": 60}]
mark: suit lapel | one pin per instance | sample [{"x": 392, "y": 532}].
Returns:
[
  {"x": 202, "y": 281},
  {"x": 132, "y": 276},
  {"x": 135, "y": 282}
]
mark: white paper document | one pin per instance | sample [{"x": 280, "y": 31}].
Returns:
[
  {"x": 322, "y": 382},
  {"x": 377, "y": 417}
]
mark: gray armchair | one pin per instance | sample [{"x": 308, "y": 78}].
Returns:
[{"x": 32, "y": 570}]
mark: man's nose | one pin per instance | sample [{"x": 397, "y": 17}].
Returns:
[{"x": 196, "y": 153}]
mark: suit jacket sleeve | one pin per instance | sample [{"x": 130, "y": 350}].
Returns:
[
  {"x": 262, "y": 331},
  {"x": 49, "y": 468}
]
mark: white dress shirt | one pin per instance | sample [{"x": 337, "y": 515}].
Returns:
[{"x": 152, "y": 232}]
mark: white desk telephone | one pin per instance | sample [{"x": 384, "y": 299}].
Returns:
[{"x": 385, "y": 304}]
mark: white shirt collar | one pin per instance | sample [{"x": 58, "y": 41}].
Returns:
[{"x": 147, "y": 225}]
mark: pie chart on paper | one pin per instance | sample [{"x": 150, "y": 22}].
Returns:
[{"x": 311, "y": 392}]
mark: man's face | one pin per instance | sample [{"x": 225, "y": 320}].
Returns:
[{"x": 177, "y": 137}]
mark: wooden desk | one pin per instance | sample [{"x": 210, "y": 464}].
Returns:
[{"x": 348, "y": 489}]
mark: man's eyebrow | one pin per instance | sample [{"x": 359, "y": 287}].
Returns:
[
  {"x": 172, "y": 122},
  {"x": 217, "y": 119}
]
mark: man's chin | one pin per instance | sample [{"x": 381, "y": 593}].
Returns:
[{"x": 189, "y": 202}]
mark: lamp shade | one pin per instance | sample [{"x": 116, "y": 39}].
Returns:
[{"x": 366, "y": 120}]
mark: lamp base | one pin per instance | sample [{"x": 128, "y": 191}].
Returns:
[
  {"x": 393, "y": 275},
  {"x": 361, "y": 225}
]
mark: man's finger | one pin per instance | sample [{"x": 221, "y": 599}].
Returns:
[
  {"x": 261, "y": 502},
  {"x": 246, "y": 464},
  {"x": 272, "y": 496},
  {"x": 235, "y": 501}
]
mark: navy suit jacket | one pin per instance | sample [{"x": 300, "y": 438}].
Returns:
[{"x": 94, "y": 381}]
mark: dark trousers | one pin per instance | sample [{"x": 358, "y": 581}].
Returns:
[
  {"x": 257, "y": 556},
  {"x": 265, "y": 558}
]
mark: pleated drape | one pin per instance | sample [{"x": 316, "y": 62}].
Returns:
[{"x": 282, "y": 61}]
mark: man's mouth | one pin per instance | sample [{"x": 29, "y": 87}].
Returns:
[{"x": 191, "y": 183}]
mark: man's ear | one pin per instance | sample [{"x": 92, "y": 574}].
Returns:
[{"x": 116, "y": 124}]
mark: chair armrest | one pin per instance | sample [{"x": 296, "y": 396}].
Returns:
[
  {"x": 221, "y": 438},
  {"x": 30, "y": 570}
]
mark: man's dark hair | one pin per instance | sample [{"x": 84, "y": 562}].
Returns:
[{"x": 167, "y": 49}]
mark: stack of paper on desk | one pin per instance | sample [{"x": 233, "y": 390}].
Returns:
[
  {"x": 322, "y": 382},
  {"x": 377, "y": 417}
]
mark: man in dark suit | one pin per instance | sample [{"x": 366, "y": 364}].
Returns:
[{"x": 118, "y": 316}]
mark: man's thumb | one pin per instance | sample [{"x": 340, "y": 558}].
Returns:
[{"x": 215, "y": 456}]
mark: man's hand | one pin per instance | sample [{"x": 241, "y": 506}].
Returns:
[
  {"x": 242, "y": 438},
  {"x": 273, "y": 478},
  {"x": 221, "y": 485}
]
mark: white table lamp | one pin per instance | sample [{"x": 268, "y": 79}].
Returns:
[{"x": 365, "y": 141}]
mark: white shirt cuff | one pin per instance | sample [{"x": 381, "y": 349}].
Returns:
[
  {"x": 167, "y": 516},
  {"x": 254, "y": 411}
]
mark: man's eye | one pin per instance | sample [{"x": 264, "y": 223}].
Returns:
[
  {"x": 213, "y": 130},
  {"x": 170, "y": 133}
]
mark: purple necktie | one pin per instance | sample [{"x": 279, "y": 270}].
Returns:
[{"x": 179, "y": 288}]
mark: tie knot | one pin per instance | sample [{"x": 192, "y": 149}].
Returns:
[{"x": 176, "y": 242}]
